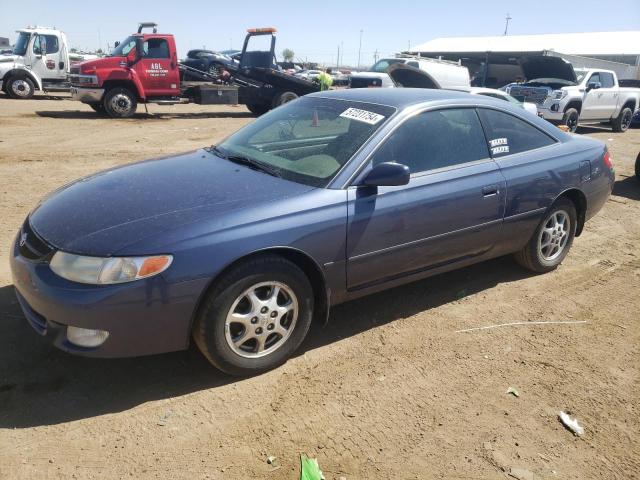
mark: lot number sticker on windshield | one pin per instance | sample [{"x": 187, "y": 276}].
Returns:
[
  {"x": 499, "y": 145},
  {"x": 362, "y": 116}
]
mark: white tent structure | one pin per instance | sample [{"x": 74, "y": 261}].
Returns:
[{"x": 619, "y": 51}]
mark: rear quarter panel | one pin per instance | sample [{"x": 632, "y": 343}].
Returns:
[{"x": 535, "y": 179}]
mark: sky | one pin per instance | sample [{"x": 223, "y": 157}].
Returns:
[{"x": 315, "y": 30}]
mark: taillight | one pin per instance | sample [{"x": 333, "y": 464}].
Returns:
[{"x": 607, "y": 160}]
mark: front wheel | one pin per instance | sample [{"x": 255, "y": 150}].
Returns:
[
  {"x": 552, "y": 240},
  {"x": 258, "y": 108},
  {"x": 570, "y": 119},
  {"x": 120, "y": 103},
  {"x": 255, "y": 316},
  {"x": 284, "y": 97},
  {"x": 21, "y": 88},
  {"x": 623, "y": 120}
]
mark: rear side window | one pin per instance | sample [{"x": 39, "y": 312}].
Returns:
[
  {"x": 435, "y": 139},
  {"x": 508, "y": 134},
  {"x": 156, "y": 48},
  {"x": 606, "y": 79}
]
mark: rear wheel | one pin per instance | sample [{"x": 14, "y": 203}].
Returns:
[
  {"x": 570, "y": 119},
  {"x": 258, "y": 108},
  {"x": 284, "y": 97},
  {"x": 21, "y": 88},
  {"x": 120, "y": 103},
  {"x": 552, "y": 240},
  {"x": 638, "y": 167},
  {"x": 255, "y": 316},
  {"x": 623, "y": 120}
]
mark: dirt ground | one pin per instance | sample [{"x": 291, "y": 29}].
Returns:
[{"x": 389, "y": 389}]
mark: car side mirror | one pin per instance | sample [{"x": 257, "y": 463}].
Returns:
[
  {"x": 387, "y": 174},
  {"x": 593, "y": 86},
  {"x": 117, "y": 44}
]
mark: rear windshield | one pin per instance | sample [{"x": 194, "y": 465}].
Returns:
[{"x": 310, "y": 139}]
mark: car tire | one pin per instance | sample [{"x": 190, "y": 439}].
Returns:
[
  {"x": 120, "y": 103},
  {"x": 623, "y": 120},
  {"x": 283, "y": 97},
  {"x": 258, "y": 108},
  {"x": 20, "y": 88},
  {"x": 638, "y": 167},
  {"x": 550, "y": 243},
  {"x": 570, "y": 119},
  {"x": 232, "y": 324}
]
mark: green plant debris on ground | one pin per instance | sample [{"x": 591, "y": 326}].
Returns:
[{"x": 309, "y": 469}]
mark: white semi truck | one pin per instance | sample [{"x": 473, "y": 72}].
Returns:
[{"x": 39, "y": 61}]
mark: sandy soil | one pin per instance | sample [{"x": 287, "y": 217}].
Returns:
[{"x": 387, "y": 390}]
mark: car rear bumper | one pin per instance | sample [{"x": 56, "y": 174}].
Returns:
[
  {"x": 87, "y": 95},
  {"x": 144, "y": 317}
]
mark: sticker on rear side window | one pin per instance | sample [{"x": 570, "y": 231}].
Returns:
[
  {"x": 499, "y": 145},
  {"x": 362, "y": 116}
]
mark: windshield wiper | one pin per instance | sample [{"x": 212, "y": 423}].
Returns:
[{"x": 247, "y": 162}]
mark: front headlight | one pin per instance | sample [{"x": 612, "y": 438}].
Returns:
[
  {"x": 102, "y": 271},
  {"x": 559, "y": 94}
]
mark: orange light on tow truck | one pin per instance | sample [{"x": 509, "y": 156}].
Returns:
[{"x": 262, "y": 30}]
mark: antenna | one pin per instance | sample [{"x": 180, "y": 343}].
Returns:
[{"x": 506, "y": 25}]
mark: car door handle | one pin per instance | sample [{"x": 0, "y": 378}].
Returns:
[{"x": 490, "y": 190}]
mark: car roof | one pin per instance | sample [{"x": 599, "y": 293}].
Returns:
[{"x": 399, "y": 98}]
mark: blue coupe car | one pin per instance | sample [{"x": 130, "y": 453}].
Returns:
[{"x": 334, "y": 196}]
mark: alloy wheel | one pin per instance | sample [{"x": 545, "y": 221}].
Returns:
[
  {"x": 554, "y": 235},
  {"x": 261, "y": 319},
  {"x": 21, "y": 88}
]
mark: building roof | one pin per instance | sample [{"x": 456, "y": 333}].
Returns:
[{"x": 588, "y": 43}]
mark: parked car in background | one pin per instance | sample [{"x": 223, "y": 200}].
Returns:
[
  {"x": 39, "y": 61},
  {"x": 500, "y": 95},
  {"x": 444, "y": 73},
  {"x": 328, "y": 198},
  {"x": 206, "y": 61},
  {"x": 308, "y": 74},
  {"x": 574, "y": 97}
]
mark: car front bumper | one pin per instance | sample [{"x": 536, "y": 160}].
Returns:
[
  {"x": 87, "y": 95},
  {"x": 143, "y": 317}
]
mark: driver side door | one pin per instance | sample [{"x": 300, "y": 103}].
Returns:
[{"x": 451, "y": 210}]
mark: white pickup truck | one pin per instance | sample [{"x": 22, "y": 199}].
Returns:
[
  {"x": 39, "y": 61},
  {"x": 573, "y": 97}
]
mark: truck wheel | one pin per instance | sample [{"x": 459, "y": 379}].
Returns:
[
  {"x": 258, "y": 108},
  {"x": 255, "y": 316},
  {"x": 120, "y": 103},
  {"x": 622, "y": 121},
  {"x": 570, "y": 119},
  {"x": 284, "y": 97},
  {"x": 21, "y": 88}
]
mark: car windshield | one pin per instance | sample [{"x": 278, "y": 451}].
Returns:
[
  {"x": 309, "y": 140},
  {"x": 382, "y": 65},
  {"x": 125, "y": 47},
  {"x": 20, "y": 48}
]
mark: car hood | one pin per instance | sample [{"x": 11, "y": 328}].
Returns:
[
  {"x": 104, "y": 213},
  {"x": 542, "y": 66}
]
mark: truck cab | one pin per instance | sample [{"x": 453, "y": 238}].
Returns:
[
  {"x": 142, "y": 67},
  {"x": 39, "y": 61}
]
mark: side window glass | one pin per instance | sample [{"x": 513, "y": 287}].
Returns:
[
  {"x": 414, "y": 64},
  {"x": 156, "y": 48},
  {"x": 595, "y": 78},
  {"x": 436, "y": 139},
  {"x": 37, "y": 44},
  {"x": 52, "y": 43},
  {"x": 508, "y": 134},
  {"x": 606, "y": 79}
]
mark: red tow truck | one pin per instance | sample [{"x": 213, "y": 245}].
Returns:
[{"x": 144, "y": 68}]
